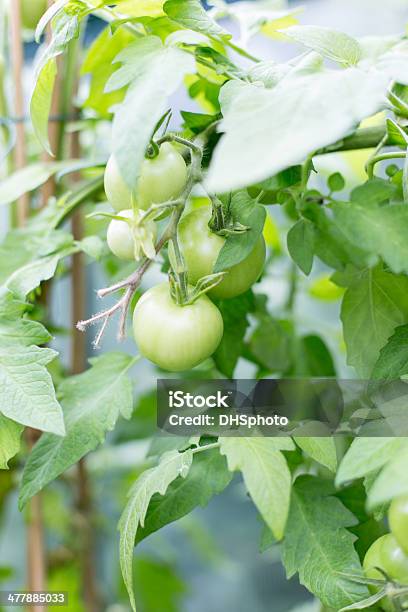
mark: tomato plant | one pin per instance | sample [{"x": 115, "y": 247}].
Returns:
[{"x": 232, "y": 182}]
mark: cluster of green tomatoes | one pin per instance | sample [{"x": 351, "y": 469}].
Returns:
[
  {"x": 387, "y": 557},
  {"x": 174, "y": 336}
]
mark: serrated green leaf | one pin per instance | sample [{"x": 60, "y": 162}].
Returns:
[
  {"x": 378, "y": 230},
  {"x": 27, "y": 393},
  {"x": 300, "y": 242},
  {"x": 366, "y": 455},
  {"x": 92, "y": 403},
  {"x": 29, "y": 256},
  {"x": 393, "y": 360},
  {"x": 10, "y": 433},
  {"x": 322, "y": 450},
  {"x": 208, "y": 476},
  {"x": 392, "y": 481},
  {"x": 294, "y": 119},
  {"x": 22, "y": 332},
  {"x": 318, "y": 546},
  {"x": 190, "y": 14},
  {"x": 374, "y": 305},
  {"x": 155, "y": 480},
  {"x": 266, "y": 475},
  {"x": 332, "y": 44},
  {"x": 237, "y": 247}
]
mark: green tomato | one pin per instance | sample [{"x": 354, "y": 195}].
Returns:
[
  {"x": 162, "y": 178},
  {"x": 126, "y": 241},
  {"x": 201, "y": 247},
  {"x": 31, "y": 12},
  {"x": 376, "y": 556},
  {"x": 176, "y": 338},
  {"x": 117, "y": 191},
  {"x": 398, "y": 519},
  {"x": 386, "y": 554}
]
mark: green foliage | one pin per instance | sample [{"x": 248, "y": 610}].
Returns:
[
  {"x": 286, "y": 126},
  {"x": 373, "y": 306},
  {"x": 208, "y": 476},
  {"x": 334, "y": 45},
  {"x": 28, "y": 395},
  {"x": 266, "y": 475},
  {"x": 10, "y": 433},
  {"x": 301, "y": 244},
  {"x": 155, "y": 480},
  {"x": 318, "y": 546},
  {"x": 92, "y": 403}
]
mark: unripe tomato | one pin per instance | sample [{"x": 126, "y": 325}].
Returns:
[
  {"x": 31, "y": 12},
  {"x": 162, "y": 178},
  {"x": 176, "y": 338},
  {"x": 398, "y": 519},
  {"x": 201, "y": 247},
  {"x": 116, "y": 188},
  {"x": 387, "y": 555},
  {"x": 126, "y": 241}
]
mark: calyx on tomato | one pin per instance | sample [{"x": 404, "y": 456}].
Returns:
[
  {"x": 201, "y": 247},
  {"x": 129, "y": 239}
]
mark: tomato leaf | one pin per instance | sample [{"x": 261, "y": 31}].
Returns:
[
  {"x": 208, "y": 476},
  {"x": 318, "y": 546},
  {"x": 301, "y": 114},
  {"x": 155, "y": 480},
  {"x": 190, "y": 14},
  {"x": 392, "y": 481},
  {"x": 332, "y": 44},
  {"x": 300, "y": 242},
  {"x": 266, "y": 475},
  {"x": 22, "y": 332},
  {"x": 373, "y": 306},
  {"x": 92, "y": 403},
  {"x": 393, "y": 360},
  {"x": 237, "y": 247},
  {"x": 366, "y": 455},
  {"x": 322, "y": 450},
  {"x": 28, "y": 395},
  {"x": 10, "y": 433}
]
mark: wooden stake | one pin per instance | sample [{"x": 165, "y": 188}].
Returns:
[{"x": 17, "y": 54}]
